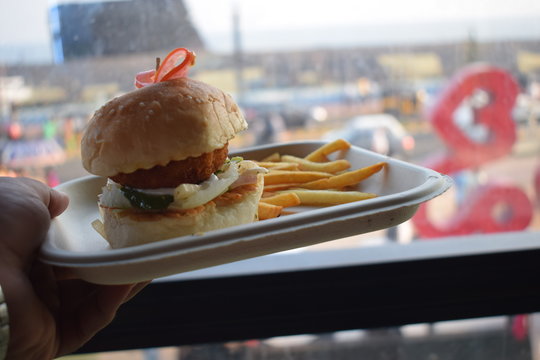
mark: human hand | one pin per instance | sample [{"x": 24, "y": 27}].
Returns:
[{"x": 50, "y": 314}]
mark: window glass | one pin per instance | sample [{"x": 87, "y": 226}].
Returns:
[
  {"x": 453, "y": 86},
  {"x": 450, "y": 86},
  {"x": 303, "y": 77},
  {"x": 485, "y": 338}
]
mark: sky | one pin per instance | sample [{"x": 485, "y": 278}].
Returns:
[
  {"x": 291, "y": 14},
  {"x": 24, "y": 22}
]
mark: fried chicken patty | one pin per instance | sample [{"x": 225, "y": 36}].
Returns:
[{"x": 192, "y": 170}]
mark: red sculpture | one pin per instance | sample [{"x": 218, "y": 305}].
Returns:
[{"x": 492, "y": 207}]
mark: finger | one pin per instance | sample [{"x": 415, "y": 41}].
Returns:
[
  {"x": 54, "y": 200},
  {"x": 58, "y": 203},
  {"x": 135, "y": 290},
  {"x": 92, "y": 314},
  {"x": 44, "y": 283},
  {"x": 64, "y": 273},
  {"x": 24, "y": 218}
]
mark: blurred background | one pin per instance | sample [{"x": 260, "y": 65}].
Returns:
[{"x": 380, "y": 74}]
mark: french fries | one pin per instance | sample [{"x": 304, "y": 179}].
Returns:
[
  {"x": 278, "y": 187},
  {"x": 279, "y": 165},
  {"x": 346, "y": 179},
  {"x": 307, "y": 165},
  {"x": 298, "y": 177},
  {"x": 99, "y": 227},
  {"x": 269, "y": 211},
  {"x": 321, "y": 154},
  {"x": 313, "y": 180},
  {"x": 328, "y": 197},
  {"x": 272, "y": 158},
  {"x": 282, "y": 199}
]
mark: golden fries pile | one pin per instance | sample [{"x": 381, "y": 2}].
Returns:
[{"x": 313, "y": 180}]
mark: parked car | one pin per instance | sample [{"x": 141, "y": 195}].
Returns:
[{"x": 381, "y": 133}]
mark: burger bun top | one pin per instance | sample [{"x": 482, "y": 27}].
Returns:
[{"x": 168, "y": 121}]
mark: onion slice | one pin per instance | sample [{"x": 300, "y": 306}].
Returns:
[{"x": 207, "y": 191}]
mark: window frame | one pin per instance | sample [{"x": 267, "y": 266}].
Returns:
[{"x": 317, "y": 292}]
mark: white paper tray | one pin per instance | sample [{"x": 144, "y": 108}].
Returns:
[{"x": 73, "y": 243}]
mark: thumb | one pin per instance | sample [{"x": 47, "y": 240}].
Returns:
[
  {"x": 27, "y": 208},
  {"x": 55, "y": 201},
  {"x": 58, "y": 202}
]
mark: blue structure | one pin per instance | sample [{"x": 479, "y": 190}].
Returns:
[{"x": 94, "y": 29}]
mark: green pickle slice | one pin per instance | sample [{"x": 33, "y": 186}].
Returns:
[{"x": 145, "y": 201}]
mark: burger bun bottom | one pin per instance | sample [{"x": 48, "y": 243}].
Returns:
[{"x": 123, "y": 228}]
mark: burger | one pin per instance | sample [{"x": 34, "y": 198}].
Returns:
[{"x": 164, "y": 151}]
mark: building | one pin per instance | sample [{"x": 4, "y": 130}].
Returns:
[{"x": 97, "y": 29}]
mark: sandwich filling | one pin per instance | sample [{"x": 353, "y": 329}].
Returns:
[{"x": 234, "y": 172}]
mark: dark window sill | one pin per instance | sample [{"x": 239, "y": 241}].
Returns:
[{"x": 386, "y": 286}]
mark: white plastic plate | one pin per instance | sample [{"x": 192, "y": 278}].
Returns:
[{"x": 73, "y": 243}]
